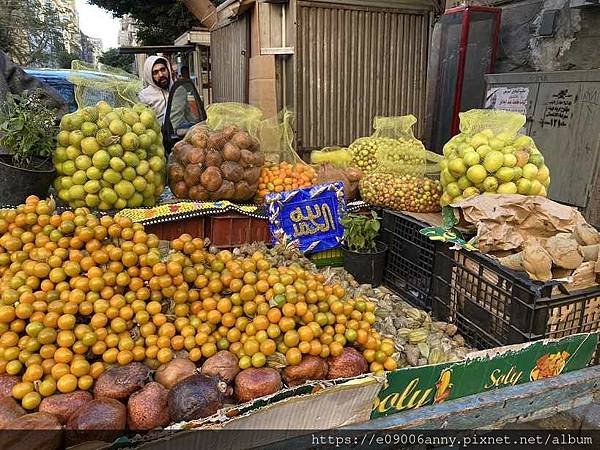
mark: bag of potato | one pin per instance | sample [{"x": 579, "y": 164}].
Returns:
[
  {"x": 329, "y": 173},
  {"x": 392, "y": 148},
  {"x": 211, "y": 164},
  {"x": 245, "y": 117},
  {"x": 489, "y": 155}
]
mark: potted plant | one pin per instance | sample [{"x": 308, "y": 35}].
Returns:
[
  {"x": 27, "y": 140},
  {"x": 364, "y": 256}
]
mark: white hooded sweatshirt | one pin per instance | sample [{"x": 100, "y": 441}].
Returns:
[{"x": 153, "y": 95}]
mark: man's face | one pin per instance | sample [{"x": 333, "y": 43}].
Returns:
[{"x": 160, "y": 75}]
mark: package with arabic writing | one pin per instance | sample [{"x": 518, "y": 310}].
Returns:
[{"x": 310, "y": 217}]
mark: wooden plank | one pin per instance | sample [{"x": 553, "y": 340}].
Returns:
[{"x": 493, "y": 409}]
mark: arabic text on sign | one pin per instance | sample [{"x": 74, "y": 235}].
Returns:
[{"x": 316, "y": 219}]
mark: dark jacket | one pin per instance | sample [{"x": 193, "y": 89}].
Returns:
[{"x": 14, "y": 79}]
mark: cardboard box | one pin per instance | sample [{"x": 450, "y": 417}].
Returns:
[{"x": 262, "y": 91}]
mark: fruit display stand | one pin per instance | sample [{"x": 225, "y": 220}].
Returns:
[{"x": 223, "y": 383}]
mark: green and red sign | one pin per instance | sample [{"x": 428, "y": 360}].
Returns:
[{"x": 414, "y": 387}]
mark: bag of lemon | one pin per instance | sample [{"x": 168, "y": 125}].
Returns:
[{"x": 489, "y": 155}]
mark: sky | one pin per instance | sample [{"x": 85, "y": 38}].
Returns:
[{"x": 99, "y": 23}]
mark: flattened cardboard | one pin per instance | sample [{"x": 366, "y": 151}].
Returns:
[{"x": 505, "y": 222}]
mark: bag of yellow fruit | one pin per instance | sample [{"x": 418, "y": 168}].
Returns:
[
  {"x": 392, "y": 148},
  {"x": 491, "y": 156}
]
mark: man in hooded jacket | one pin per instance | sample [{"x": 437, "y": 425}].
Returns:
[{"x": 158, "y": 82}]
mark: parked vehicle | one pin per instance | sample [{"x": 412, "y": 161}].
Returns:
[{"x": 183, "y": 91}]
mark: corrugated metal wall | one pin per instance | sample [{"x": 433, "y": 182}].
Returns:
[
  {"x": 353, "y": 63},
  {"x": 230, "y": 51}
]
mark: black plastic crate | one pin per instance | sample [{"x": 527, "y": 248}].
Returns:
[
  {"x": 494, "y": 306},
  {"x": 410, "y": 258}
]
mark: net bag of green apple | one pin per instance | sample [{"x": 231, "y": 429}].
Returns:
[
  {"x": 109, "y": 156},
  {"x": 397, "y": 180},
  {"x": 490, "y": 155},
  {"x": 219, "y": 160},
  {"x": 391, "y": 148}
]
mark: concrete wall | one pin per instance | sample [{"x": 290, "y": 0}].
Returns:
[{"x": 574, "y": 45}]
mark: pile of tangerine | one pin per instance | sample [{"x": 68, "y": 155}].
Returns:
[{"x": 80, "y": 293}]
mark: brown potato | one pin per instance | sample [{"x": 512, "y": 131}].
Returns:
[
  {"x": 63, "y": 406},
  {"x": 230, "y": 130},
  {"x": 310, "y": 368},
  {"x": 232, "y": 171},
  {"x": 199, "y": 140},
  {"x": 101, "y": 419},
  {"x": 6, "y": 384},
  {"x": 196, "y": 397},
  {"x": 211, "y": 179},
  {"x": 174, "y": 371},
  {"x": 254, "y": 383},
  {"x": 148, "y": 408},
  {"x": 180, "y": 189},
  {"x": 223, "y": 365},
  {"x": 9, "y": 410},
  {"x": 175, "y": 172},
  {"x": 196, "y": 156},
  {"x": 192, "y": 175},
  {"x": 246, "y": 158},
  {"x": 252, "y": 174},
  {"x": 349, "y": 364},
  {"x": 184, "y": 152},
  {"x": 225, "y": 192},
  {"x": 231, "y": 152},
  {"x": 199, "y": 193},
  {"x": 259, "y": 159},
  {"x": 179, "y": 148},
  {"x": 213, "y": 159},
  {"x": 255, "y": 144},
  {"x": 242, "y": 140},
  {"x": 216, "y": 141},
  {"x": 120, "y": 382},
  {"x": 243, "y": 191},
  {"x": 32, "y": 431}
]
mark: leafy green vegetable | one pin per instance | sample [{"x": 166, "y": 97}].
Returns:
[
  {"x": 360, "y": 232},
  {"x": 27, "y": 127}
]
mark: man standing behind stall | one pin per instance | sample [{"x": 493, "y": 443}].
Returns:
[{"x": 158, "y": 82}]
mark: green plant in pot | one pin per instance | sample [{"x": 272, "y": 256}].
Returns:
[
  {"x": 364, "y": 256},
  {"x": 28, "y": 132}
]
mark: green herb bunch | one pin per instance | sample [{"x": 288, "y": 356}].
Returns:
[
  {"x": 27, "y": 127},
  {"x": 360, "y": 232}
]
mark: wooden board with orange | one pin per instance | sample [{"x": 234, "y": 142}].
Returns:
[{"x": 284, "y": 177}]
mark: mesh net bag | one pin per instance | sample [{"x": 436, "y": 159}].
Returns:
[
  {"x": 276, "y": 136},
  {"x": 490, "y": 155},
  {"x": 392, "y": 148},
  {"x": 284, "y": 170},
  {"x": 338, "y": 156},
  {"x": 245, "y": 117},
  {"x": 99, "y": 82}
]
